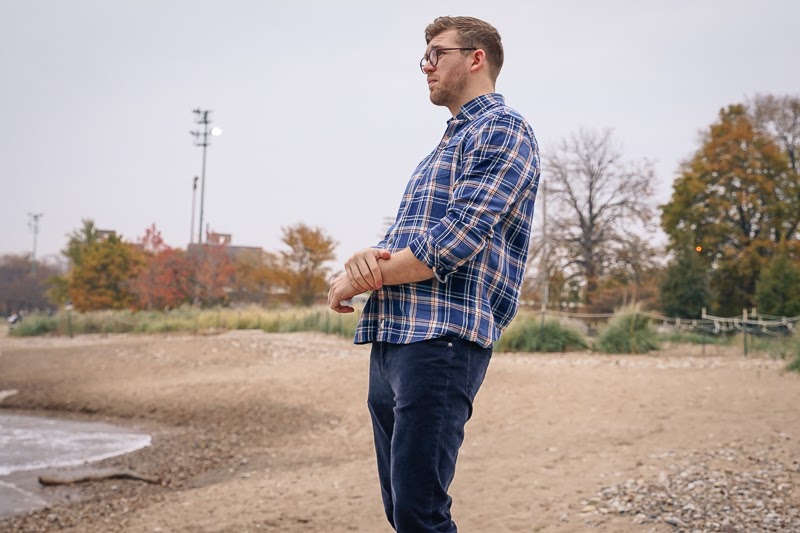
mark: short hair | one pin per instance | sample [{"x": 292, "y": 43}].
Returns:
[{"x": 472, "y": 33}]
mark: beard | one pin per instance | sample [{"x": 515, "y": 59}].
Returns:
[{"x": 450, "y": 92}]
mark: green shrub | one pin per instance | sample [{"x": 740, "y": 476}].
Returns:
[
  {"x": 793, "y": 353},
  {"x": 778, "y": 347},
  {"x": 33, "y": 325},
  {"x": 627, "y": 332},
  {"x": 527, "y": 334},
  {"x": 794, "y": 366}
]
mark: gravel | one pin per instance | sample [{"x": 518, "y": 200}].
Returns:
[{"x": 738, "y": 487}]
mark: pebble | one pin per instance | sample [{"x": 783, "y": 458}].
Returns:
[{"x": 735, "y": 488}]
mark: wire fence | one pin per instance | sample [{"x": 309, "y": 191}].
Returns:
[{"x": 751, "y": 324}]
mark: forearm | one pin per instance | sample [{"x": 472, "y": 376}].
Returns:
[{"x": 403, "y": 267}]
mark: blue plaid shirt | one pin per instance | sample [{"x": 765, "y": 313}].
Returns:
[{"x": 466, "y": 213}]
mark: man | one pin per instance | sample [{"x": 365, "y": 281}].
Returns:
[{"x": 446, "y": 277}]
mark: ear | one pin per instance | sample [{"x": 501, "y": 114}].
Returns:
[{"x": 478, "y": 60}]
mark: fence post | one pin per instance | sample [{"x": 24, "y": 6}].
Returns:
[
  {"x": 69, "y": 320},
  {"x": 702, "y": 339},
  {"x": 744, "y": 330}
]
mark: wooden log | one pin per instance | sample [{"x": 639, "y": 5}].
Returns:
[{"x": 68, "y": 478}]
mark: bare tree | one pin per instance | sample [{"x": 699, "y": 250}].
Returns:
[
  {"x": 599, "y": 205},
  {"x": 779, "y": 116}
]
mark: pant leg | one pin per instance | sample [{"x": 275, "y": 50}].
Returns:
[
  {"x": 380, "y": 401},
  {"x": 434, "y": 384}
]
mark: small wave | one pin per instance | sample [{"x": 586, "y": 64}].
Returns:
[{"x": 31, "y": 443}]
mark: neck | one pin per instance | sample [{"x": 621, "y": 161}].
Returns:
[{"x": 479, "y": 89}]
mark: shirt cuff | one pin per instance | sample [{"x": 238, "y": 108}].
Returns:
[{"x": 424, "y": 249}]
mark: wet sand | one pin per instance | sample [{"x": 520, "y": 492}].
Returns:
[{"x": 270, "y": 432}]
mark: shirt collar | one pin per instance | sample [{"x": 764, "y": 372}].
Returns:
[{"x": 477, "y": 106}]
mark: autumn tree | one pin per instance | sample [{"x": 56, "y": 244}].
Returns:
[
  {"x": 165, "y": 276},
  {"x": 256, "y": 277},
  {"x": 598, "y": 204},
  {"x": 152, "y": 242},
  {"x": 79, "y": 241},
  {"x": 213, "y": 274},
  {"x": 20, "y": 287},
  {"x": 101, "y": 270},
  {"x": 102, "y": 279},
  {"x": 303, "y": 273},
  {"x": 736, "y": 199}
]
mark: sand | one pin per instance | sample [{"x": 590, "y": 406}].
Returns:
[{"x": 270, "y": 432}]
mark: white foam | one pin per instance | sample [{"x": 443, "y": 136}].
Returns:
[{"x": 30, "y": 443}]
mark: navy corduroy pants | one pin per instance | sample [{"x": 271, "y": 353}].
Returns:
[{"x": 420, "y": 398}]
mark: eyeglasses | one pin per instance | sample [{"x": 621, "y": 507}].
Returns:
[{"x": 432, "y": 57}]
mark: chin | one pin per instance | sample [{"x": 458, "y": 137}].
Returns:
[{"x": 437, "y": 99}]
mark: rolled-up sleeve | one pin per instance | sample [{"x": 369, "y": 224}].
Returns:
[{"x": 499, "y": 163}]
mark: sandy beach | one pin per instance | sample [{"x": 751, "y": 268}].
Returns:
[{"x": 270, "y": 432}]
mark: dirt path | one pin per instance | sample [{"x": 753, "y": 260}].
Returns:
[{"x": 269, "y": 432}]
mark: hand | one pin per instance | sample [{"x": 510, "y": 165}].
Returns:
[
  {"x": 340, "y": 292},
  {"x": 363, "y": 270}
]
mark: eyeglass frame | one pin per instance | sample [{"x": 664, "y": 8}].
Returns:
[{"x": 426, "y": 59}]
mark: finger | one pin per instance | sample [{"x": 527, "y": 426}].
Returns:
[
  {"x": 360, "y": 274},
  {"x": 355, "y": 278},
  {"x": 330, "y": 297},
  {"x": 366, "y": 273},
  {"x": 374, "y": 271}
]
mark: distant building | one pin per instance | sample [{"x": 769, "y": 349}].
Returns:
[{"x": 223, "y": 241}]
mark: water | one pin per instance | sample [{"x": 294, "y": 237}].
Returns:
[{"x": 33, "y": 443}]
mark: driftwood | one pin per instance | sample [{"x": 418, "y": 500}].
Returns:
[
  {"x": 7, "y": 393},
  {"x": 68, "y": 478}
]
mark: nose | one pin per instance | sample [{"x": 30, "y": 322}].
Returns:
[{"x": 427, "y": 68}]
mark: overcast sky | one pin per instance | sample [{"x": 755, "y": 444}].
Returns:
[{"x": 323, "y": 108}]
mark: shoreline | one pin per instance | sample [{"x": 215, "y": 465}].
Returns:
[{"x": 23, "y": 491}]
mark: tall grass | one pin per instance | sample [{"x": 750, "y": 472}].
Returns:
[
  {"x": 189, "y": 319},
  {"x": 782, "y": 347},
  {"x": 794, "y": 366},
  {"x": 527, "y": 334},
  {"x": 695, "y": 337},
  {"x": 627, "y": 332}
]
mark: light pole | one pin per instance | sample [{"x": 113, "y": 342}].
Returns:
[
  {"x": 201, "y": 139},
  {"x": 34, "y": 225},
  {"x": 194, "y": 197}
]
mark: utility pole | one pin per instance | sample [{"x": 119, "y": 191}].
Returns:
[
  {"x": 33, "y": 223},
  {"x": 201, "y": 139},
  {"x": 194, "y": 197}
]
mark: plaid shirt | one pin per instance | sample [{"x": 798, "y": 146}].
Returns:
[{"x": 466, "y": 213}]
